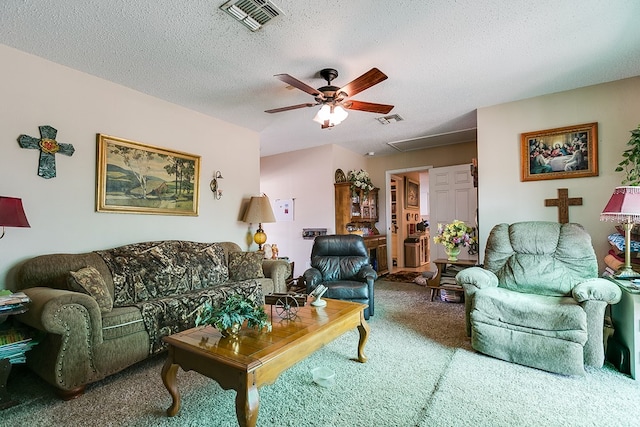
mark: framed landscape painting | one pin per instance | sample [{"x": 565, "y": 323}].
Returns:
[
  {"x": 567, "y": 152},
  {"x": 143, "y": 179}
]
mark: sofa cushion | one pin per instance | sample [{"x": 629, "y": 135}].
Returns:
[
  {"x": 151, "y": 270},
  {"x": 89, "y": 281},
  {"x": 347, "y": 289},
  {"x": 122, "y": 321},
  {"x": 537, "y": 313},
  {"x": 166, "y": 316},
  {"x": 245, "y": 265}
]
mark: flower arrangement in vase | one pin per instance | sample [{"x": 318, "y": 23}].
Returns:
[
  {"x": 452, "y": 236},
  {"x": 360, "y": 180},
  {"x": 229, "y": 316}
]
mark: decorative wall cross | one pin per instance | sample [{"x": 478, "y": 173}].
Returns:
[
  {"x": 563, "y": 202},
  {"x": 48, "y": 147}
]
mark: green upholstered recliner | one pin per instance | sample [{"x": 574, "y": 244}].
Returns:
[{"x": 538, "y": 300}]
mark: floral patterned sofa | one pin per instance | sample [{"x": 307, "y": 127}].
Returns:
[{"x": 103, "y": 311}]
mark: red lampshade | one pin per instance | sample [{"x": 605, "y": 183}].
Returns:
[
  {"x": 12, "y": 213},
  {"x": 623, "y": 206}
]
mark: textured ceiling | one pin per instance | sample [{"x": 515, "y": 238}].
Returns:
[{"x": 444, "y": 58}]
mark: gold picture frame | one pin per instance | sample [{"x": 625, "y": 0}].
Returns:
[
  {"x": 566, "y": 152},
  {"x": 411, "y": 194},
  {"x": 144, "y": 179}
]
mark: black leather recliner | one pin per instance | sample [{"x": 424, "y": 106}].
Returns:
[{"x": 341, "y": 263}]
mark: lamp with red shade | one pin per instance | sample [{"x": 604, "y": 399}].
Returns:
[
  {"x": 624, "y": 207},
  {"x": 12, "y": 213}
]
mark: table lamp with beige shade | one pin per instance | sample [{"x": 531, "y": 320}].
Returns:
[{"x": 259, "y": 211}]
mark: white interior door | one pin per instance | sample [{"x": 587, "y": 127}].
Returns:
[{"x": 451, "y": 196}]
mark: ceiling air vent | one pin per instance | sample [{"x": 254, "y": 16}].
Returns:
[
  {"x": 252, "y": 13},
  {"x": 389, "y": 119}
]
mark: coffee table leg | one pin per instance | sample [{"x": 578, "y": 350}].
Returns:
[
  {"x": 169, "y": 373},
  {"x": 363, "y": 329},
  {"x": 247, "y": 403}
]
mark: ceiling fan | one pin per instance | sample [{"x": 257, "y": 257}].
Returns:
[{"x": 335, "y": 100}]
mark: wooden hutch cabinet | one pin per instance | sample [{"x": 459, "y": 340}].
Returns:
[{"x": 359, "y": 213}]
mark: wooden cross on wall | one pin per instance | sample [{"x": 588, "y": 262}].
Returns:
[
  {"x": 563, "y": 202},
  {"x": 48, "y": 147}
]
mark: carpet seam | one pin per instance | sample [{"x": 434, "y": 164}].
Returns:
[{"x": 436, "y": 389}]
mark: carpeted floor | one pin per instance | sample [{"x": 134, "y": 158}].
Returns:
[{"x": 421, "y": 372}]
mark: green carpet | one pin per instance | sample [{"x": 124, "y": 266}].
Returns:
[{"x": 421, "y": 372}]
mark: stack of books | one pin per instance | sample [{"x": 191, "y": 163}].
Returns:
[
  {"x": 13, "y": 303},
  {"x": 14, "y": 343}
]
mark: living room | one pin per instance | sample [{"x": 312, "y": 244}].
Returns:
[
  {"x": 63, "y": 217},
  {"x": 62, "y": 210}
]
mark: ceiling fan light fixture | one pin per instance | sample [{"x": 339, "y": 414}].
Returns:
[{"x": 331, "y": 115}]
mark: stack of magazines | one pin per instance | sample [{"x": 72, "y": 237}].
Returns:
[
  {"x": 631, "y": 285},
  {"x": 14, "y": 341},
  {"x": 13, "y": 303}
]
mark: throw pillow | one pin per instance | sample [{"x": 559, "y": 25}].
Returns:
[
  {"x": 420, "y": 280},
  {"x": 88, "y": 280},
  {"x": 429, "y": 274},
  {"x": 245, "y": 265}
]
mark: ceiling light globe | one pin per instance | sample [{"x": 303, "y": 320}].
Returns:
[
  {"x": 323, "y": 114},
  {"x": 339, "y": 114}
]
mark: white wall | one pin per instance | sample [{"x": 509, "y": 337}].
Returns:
[
  {"x": 307, "y": 176},
  {"x": 62, "y": 210},
  {"x": 504, "y": 198}
]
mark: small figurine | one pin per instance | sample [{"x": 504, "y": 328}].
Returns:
[
  {"x": 274, "y": 251},
  {"x": 268, "y": 253}
]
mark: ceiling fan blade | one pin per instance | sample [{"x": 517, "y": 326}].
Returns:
[
  {"x": 291, "y": 107},
  {"x": 297, "y": 84},
  {"x": 367, "y": 106},
  {"x": 365, "y": 81}
]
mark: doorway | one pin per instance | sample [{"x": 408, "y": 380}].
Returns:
[
  {"x": 445, "y": 194},
  {"x": 407, "y": 212},
  {"x": 453, "y": 196}
]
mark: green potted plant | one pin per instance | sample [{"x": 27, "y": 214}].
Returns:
[
  {"x": 630, "y": 164},
  {"x": 229, "y": 316}
]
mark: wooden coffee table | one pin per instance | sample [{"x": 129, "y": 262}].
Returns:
[{"x": 256, "y": 358}]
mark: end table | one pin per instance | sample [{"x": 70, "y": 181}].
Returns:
[
  {"x": 441, "y": 265},
  {"x": 626, "y": 322},
  {"x": 5, "y": 363}
]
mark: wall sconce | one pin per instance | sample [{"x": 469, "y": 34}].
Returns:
[{"x": 215, "y": 189}]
